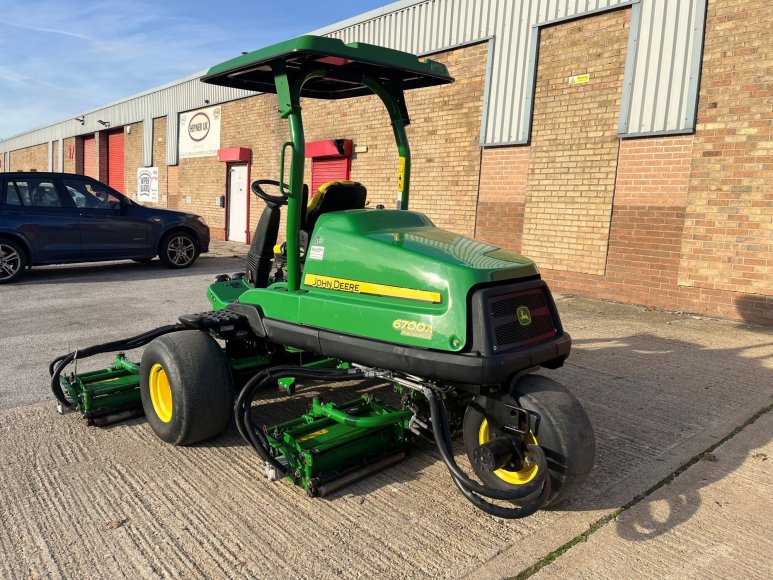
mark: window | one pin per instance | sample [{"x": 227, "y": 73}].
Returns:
[
  {"x": 32, "y": 193},
  {"x": 91, "y": 194},
  {"x": 12, "y": 194}
]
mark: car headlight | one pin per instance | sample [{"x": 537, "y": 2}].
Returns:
[{"x": 202, "y": 221}]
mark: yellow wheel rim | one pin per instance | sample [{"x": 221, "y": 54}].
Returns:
[
  {"x": 160, "y": 393},
  {"x": 521, "y": 477}
]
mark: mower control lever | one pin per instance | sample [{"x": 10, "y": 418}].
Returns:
[{"x": 271, "y": 200}]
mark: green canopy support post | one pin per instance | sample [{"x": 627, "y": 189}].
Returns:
[
  {"x": 288, "y": 98},
  {"x": 393, "y": 97}
]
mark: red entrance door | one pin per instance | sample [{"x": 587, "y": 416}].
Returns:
[
  {"x": 115, "y": 149},
  {"x": 90, "y": 157}
]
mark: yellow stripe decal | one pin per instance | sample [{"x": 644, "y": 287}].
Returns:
[{"x": 356, "y": 287}]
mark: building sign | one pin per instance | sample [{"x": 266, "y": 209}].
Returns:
[
  {"x": 199, "y": 134},
  {"x": 147, "y": 184}
]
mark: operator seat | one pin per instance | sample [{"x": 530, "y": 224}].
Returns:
[
  {"x": 331, "y": 196},
  {"x": 334, "y": 196}
]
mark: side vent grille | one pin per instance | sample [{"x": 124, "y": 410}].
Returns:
[{"x": 521, "y": 318}]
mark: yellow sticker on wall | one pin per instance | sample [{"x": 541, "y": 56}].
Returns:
[{"x": 579, "y": 79}]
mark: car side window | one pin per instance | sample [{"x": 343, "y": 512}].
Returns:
[
  {"x": 91, "y": 195},
  {"x": 32, "y": 193},
  {"x": 12, "y": 196}
]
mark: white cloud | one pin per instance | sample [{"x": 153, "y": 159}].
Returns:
[{"x": 38, "y": 29}]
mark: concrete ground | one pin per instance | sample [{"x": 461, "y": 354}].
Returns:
[
  {"x": 723, "y": 506},
  {"x": 661, "y": 389}
]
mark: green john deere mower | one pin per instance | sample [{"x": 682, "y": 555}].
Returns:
[{"x": 456, "y": 325}]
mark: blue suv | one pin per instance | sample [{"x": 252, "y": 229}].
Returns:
[{"x": 59, "y": 218}]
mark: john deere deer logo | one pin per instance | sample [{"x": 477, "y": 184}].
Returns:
[{"x": 524, "y": 316}]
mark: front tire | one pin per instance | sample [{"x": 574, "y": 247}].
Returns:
[
  {"x": 186, "y": 387},
  {"x": 178, "y": 250},
  {"x": 563, "y": 431},
  {"x": 13, "y": 260}
]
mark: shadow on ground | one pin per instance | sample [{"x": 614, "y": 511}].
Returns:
[
  {"x": 126, "y": 271},
  {"x": 648, "y": 396}
]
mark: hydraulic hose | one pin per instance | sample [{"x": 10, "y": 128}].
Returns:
[
  {"x": 471, "y": 489},
  {"x": 245, "y": 423},
  {"x": 57, "y": 365}
]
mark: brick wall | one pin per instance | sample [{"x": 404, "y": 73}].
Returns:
[
  {"x": 55, "y": 154},
  {"x": 573, "y": 156},
  {"x": 692, "y": 219},
  {"x": 102, "y": 155},
  {"x": 78, "y": 160},
  {"x": 650, "y": 197},
  {"x": 251, "y": 123},
  {"x": 203, "y": 179},
  {"x": 159, "y": 160},
  {"x": 132, "y": 151},
  {"x": 69, "y": 164},
  {"x": 728, "y": 244},
  {"x": 173, "y": 185},
  {"x": 35, "y": 157},
  {"x": 646, "y": 229},
  {"x": 502, "y": 198},
  {"x": 714, "y": 254}
]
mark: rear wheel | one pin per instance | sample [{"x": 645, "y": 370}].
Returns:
[
  {"x": 12, "y": 261},
  {"x": 559, "y": 426},
  {"x": 178, "y": 250},
  {"x": 186, "y": 387}
]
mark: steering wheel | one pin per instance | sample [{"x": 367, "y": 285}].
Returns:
[{"x": 272, "y": 200}]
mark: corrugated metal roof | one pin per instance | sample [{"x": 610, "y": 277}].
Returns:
[{"x": 659, "y": 93}]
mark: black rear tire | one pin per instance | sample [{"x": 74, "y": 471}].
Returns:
[
  {"x": 564, "y": 432},
  {"x": 13, "y": 261},
  {"x": 200, "y": 398},
  {"x": 178, "y": 250}
]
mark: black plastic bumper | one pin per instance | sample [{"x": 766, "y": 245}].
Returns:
[{"x": 470, "y": 370}]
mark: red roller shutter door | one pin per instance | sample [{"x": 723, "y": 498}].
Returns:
[
  {"x": 324, "y": 169},
  {"x": 115, "y": 142},
  {"x": 90, "y": 157}
]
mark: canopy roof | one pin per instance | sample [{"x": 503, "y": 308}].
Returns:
[{"x": 346, "y": 64}]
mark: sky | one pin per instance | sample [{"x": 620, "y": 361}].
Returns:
[{"x": 60, "y": 58}]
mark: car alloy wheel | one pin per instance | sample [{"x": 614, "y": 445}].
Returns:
[
  {"x": 10, "y": 261},
  {"x": 181, "y": 250}
]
